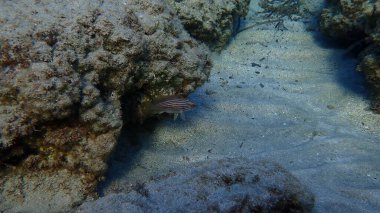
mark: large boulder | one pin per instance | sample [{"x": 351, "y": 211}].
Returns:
[
  {"x": 357, "y": 23},
  {"x": 69, "y": 72},
  {"x": 348, "y": 20},
  {"x": 227, "y": 185},
  {"x": 213, "y": 22}
]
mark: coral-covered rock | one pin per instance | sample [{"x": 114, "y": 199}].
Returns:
[
  {"x": 370, "y": 66},
  {"x": 348, "y": 20},
  {"x": 227, "y": 185},
  {"x": 292, "y": 9},
  {"x": 65, "y": 70},
  {"x": 357, "y": 23},
  {"x": 213, "y": 22}
]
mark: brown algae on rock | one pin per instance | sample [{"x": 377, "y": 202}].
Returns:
[{"x": 213, "y": 22}]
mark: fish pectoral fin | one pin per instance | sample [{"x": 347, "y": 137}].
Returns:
[
  {"x": 182, "y": 115},
  {"x": 175, "y": 116}
]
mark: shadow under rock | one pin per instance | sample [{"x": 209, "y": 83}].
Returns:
[
  {"x": 135, "y": 138},
  {"x": 126, "y": 155},
  {"x": 345, "y": 62}
]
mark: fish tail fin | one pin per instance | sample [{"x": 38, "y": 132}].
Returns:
[{"x": 175, "y": 116}]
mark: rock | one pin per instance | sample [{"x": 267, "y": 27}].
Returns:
[
  {"x": 281, "y": 8},
  {"x": 349, "y": 20},
  {"x": 213, "y": 22},
  {"x": 357, "y": 24},
  {"x": 370, "y": 66},
  {"x": 292, "y": 9},
  {"x": 69, "y": 74},
  {"x": 227, "y": 185},
  {"x": 42, "y": 192}
]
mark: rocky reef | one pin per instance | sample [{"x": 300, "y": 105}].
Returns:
[
  {"x": 357, "y": 24},
  {"x": 227, "y": 185},
  {"x": 213, "y": 22},
  {"x": 69, "y": 72}
]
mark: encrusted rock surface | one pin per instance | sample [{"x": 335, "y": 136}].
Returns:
[
  {"x": 213, "y": 22},
  {"x": 370, "y": 66},
  {"x": 66, "y": 69},
  {"x": 227, "y": 185},
  {"x": 357, "y": 23},
  {"x": 349, "y": 20}
]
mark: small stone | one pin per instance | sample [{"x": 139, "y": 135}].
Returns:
[
  {"x": 209, "y": 92},
  {"x": 330, "y": 106}
]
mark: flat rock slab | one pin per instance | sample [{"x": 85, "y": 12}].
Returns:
[{"x": 227, "y": 185}]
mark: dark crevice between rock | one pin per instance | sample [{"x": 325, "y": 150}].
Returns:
[
  {"x": 19, "y": 153},
  {"x": 129, "y": 142},
  {"x": 104, "y": 93},
  {"x": 355, "y": 47}
]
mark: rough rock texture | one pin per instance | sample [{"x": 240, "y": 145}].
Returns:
[
  {"x": 357, "y": 23},
  {"x": 287, "y": 8},
  {"x": 350, "y": 20},
  {"x": 227, "y": 185},
  {"x": 66, "y": 70},
  {"x": 213, "y": 22},
  {"x": 42, "y": 192},
  {"x": 370, "y": 66}
]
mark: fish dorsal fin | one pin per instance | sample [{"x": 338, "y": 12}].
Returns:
[{"x": 166, "y": 98}]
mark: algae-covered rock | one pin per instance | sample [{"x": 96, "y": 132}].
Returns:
[
  {"x": 370, "y": 66},
  {"x": 227, "y": 185},
  {"x": 66, "y": 69},
  {"x": 357, "y": 23},
  {"x": 348, "y": 20},
  {"x": 213, "y": 22},
  {"x": 281, "y": 9}
]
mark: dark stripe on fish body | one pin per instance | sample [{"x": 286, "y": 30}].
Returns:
[
  {"x": 181, "y": 104},
  {"x": 176, "y": 103}
]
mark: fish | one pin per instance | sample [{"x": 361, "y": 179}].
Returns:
[{"x": 176, "y": 105}]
